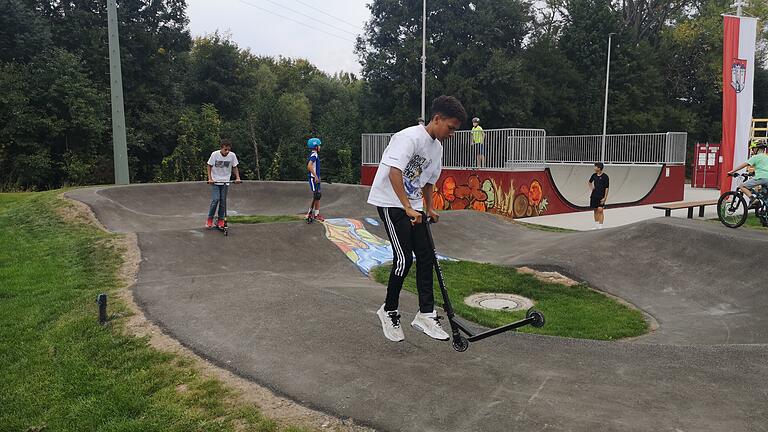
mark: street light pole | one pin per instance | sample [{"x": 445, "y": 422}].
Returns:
[
  {"x": 605, "y": 109},
  {"x": 424, "y": 61},
  {"x": 119, "y": 143}
]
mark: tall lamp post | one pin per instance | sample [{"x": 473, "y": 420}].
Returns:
[
  {"x": 119, "y": 143},
  {"x": 605, "y": 108},
  {"x": 424, "y": 60}
]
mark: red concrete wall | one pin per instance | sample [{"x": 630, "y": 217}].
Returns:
[
  {"x": 519, "y": 194},
  {"x": 667, "y": 189},
  {"x": 513, "y": 194},
  {"x": 367, "y": 173}
]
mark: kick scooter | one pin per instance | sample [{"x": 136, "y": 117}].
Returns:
[
  {"x": 225, "y": 228},
  {"x": 460, "y": 342}
]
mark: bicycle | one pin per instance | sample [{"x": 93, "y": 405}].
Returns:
[{"x": 732, "y": 207}]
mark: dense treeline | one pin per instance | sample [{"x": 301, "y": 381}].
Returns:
[{"x": 511, "y": 63}]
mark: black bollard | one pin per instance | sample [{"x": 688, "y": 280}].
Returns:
[{"x": 102, "y": 301}]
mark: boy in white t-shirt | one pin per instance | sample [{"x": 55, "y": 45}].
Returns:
[
  {"x": 407, "y": 173},
  {"x": 220, "y": 166}
]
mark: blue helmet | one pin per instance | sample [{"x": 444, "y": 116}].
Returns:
[{"x": 313, "y": 143}]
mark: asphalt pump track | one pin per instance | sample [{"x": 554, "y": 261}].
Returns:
[{"x": 281, "y": 305}]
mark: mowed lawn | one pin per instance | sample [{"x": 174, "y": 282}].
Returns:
[
  {"x": 576, "y": 311},
  {"x": 59, "y": 369}
]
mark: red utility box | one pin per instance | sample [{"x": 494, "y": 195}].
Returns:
[{"x": 707, "y": 160}]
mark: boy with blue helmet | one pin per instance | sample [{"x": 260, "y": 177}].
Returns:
[{"x": 313, "y": 166}]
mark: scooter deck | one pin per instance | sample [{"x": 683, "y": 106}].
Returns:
[
  {"x": 460, "y": 343},
  {"x": 472, "y": 336}
]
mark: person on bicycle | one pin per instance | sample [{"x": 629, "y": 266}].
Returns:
[{"x": 760, "y": 163}]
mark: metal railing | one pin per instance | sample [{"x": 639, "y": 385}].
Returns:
[
  {"x": 498, "y": 146},
  {"x": 654, "y": 149},
  {"x": 515, "y": 148},
  {"x": 373, "y": 147}
]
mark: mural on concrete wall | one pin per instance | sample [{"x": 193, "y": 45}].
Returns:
[{"x": 489, "y": 195}]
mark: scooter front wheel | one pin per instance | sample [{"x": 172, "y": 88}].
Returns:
[
  {"x": 538, "y": 318},
  {"x": 460, "y": 343}
]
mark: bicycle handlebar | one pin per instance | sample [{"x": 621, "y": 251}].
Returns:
[{"x": 746, "y": 175}]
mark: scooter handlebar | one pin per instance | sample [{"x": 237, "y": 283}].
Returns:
[{"x": 225, "y": 182}]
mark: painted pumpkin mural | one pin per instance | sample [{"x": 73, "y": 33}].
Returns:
[{"x": 486, "y": 195}]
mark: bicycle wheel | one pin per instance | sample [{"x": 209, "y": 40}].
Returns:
[{"x": 732, "y": 209}]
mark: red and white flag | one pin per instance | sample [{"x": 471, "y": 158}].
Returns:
[{"x": 739, "y": 39}]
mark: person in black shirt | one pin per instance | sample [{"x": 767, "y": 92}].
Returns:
[{"x": 598, "y": 183}]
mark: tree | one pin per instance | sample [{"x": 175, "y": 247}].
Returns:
[
  {"x": 198, "y": 135},
  {"x": 52, "y": 112},
  {"x": 23, "y": 33},
  {"x": 473, "y": 52}
]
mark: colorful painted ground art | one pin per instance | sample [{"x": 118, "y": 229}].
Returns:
[{"x": 363, "y": 248}]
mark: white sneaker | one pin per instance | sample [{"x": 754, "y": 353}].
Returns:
[
  {"x": 390, "y": 323},
  {"x": 429, "y": 323}
]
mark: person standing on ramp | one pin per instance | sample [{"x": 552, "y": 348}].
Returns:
[
  {"x": 599, "y": 184},
  {"x": 478, "y": 142},
  {"x": 220, "y": 165},
  {"x": 313, "y": 166},
  {"x": 409, "y": 168}
]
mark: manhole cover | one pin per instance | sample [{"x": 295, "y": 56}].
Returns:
[{"x": 498, "y": 301}]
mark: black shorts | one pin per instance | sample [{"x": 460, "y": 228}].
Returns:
[{"x": 594, "y": 202}]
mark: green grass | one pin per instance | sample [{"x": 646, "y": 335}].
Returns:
[
  {"x": 258, "y": 219},
  {"x": 577, "y": 312},
  {"x": 59, "y": 369},
  {"x": 752, "y": 222}
]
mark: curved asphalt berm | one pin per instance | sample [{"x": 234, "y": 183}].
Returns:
[{"x": 283, "y": 306}]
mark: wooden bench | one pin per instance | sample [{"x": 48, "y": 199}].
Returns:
[{"x": 689, "y": 205}]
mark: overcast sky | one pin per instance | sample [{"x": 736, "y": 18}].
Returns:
[{"x": 291, "y": 28}]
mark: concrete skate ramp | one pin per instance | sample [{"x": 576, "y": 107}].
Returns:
[
  {"x": 687, "y": 274},
  {"x": 156, "y": 206},
  {"x": 629, "y": 184},
  {"x": 284, "y": 307}
]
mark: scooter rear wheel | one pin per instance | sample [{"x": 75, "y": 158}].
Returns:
[
  {"x": 538, "y": 318},
  {"x": 460, "y": 343}
]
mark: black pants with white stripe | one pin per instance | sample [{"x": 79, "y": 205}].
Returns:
[{"x": 408, "y": 240}]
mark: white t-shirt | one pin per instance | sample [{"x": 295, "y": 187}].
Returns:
[
  {"x": 418, "y": 156},
  {"x": 221, "y": 170}
]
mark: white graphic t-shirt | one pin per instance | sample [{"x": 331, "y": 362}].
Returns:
[
  {"x": 420, "y": 157},
  {"x": 221, "y": 170}
]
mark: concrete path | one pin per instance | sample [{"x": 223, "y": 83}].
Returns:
[
  {"x": 281, "y": 305},
  {"x": 615, "y": 217}
]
